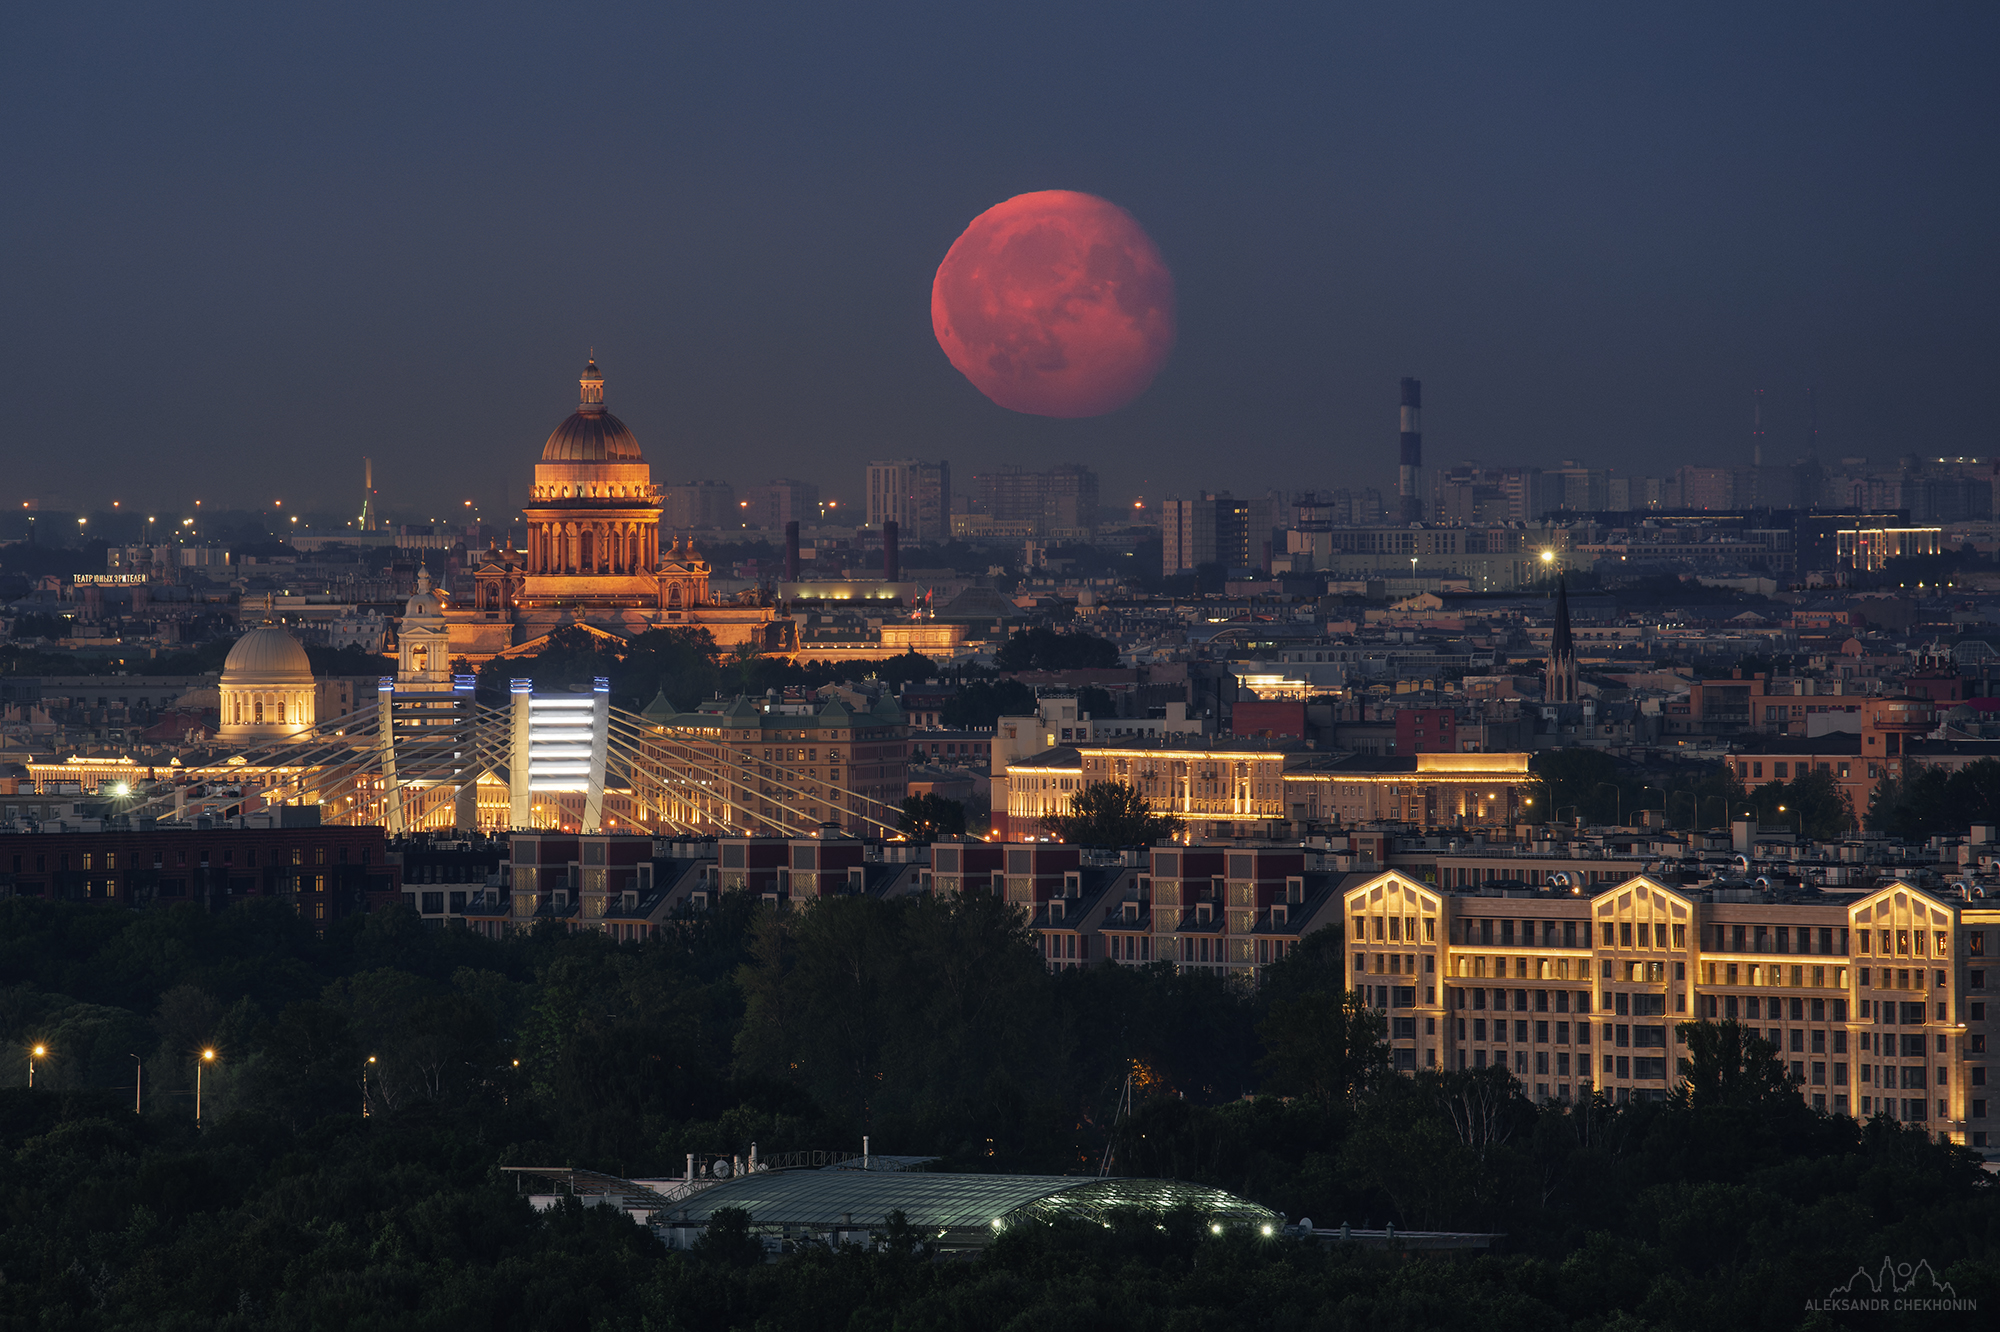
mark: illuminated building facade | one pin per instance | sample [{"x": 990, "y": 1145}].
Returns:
[
  {"x": 779, "y": 767},
  {"x": 1876, "y": 1003},
  {"x": 595, "y": 553},
  {"x": 267, "y": 688},
  {"x": 1244, "y": 787}
]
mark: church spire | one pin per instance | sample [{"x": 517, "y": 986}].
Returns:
[{"x": 1559, "y": 684}]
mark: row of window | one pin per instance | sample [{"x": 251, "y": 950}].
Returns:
[{"x": 109, "y": 860}]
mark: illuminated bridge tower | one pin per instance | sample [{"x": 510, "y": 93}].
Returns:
[{"x": 560, "y": 745}]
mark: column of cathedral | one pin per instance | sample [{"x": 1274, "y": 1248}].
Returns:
[{"x": 616, "y": 548}]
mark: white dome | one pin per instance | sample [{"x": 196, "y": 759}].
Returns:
[
  {"x": 267, "y": 652},
  {"x": 426, "y": 603}
]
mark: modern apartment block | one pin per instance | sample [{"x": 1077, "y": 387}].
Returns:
[
  {"x": 705, "y": 504},
  {"x": 1213, "y": 529},
  {"x": 1059, "y": 502},
  {"x": 914, "y": 495},
  {"x": 1876, "y": 1001},
  {"x": 778, "y": 502}
]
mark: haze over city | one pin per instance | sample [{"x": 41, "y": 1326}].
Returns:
[
  {"x": 1087, "y": 665},
  {"x": 251, "y": 245}
]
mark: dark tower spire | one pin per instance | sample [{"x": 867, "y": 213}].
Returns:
[{"x": 1559, "y": 685}]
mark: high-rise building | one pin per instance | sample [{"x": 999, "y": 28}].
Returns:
[
  {"x": 1187, "y": 535},
  {"x": 1064, "y": 498},
  {"x": 778, "y": 502},
  {"x": 914, "y": 495},
  {"x": 1214, "y": 529},
  {"x": 1410, "y": 457},
  {"x": 692, "y": 504}
]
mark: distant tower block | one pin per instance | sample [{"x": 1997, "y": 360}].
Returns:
[
  {"x": 1409, "y": 472},
  {"x": 1757, "y": 428}
]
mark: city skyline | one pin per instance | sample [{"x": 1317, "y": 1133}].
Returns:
[{"x": 1593, "y": 239}]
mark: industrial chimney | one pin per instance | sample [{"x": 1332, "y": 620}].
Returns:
[
  {"x": 792, "y": 551},
  {"x": 1409, "y": 472},
  {"x": 892, "y": 563}
]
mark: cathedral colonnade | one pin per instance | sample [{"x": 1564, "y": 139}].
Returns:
[{"x": 606, "y": 546}]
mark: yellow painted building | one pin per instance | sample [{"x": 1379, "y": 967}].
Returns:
[
  {"x": 1241, "y": 787},
  {"x": 1877, "y": 1003}
]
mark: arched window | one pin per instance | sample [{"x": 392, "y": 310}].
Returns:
[
  {"x": 587, "y": 550},
  {"x": 281, "y": 712},
  {"x": 258, "y": 708}
]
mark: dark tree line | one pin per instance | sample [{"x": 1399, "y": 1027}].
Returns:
[{"x": 369, "y": 1084}]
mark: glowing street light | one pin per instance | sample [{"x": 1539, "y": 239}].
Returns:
[
  {"x": 207, "y": 1057},
  {"x": 37, "y": 1052}
]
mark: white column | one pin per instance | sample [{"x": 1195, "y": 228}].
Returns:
[
  {"x": 520, "y": 797},
  {"x": 600, "y": 731},
  {"x": 385, "y": 741}
]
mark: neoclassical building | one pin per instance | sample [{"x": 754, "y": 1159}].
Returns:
[
  {"x": 268, "y": 692},
  {"x": 423, "y": 641},
  {"x": 595, "y": 554}
]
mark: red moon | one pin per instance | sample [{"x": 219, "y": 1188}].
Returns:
[{"x": 1055, "y": 303}]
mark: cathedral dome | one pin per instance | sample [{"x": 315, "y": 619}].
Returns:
[
  {"x": 592, "y": 434},
  {"x": 265, "y": 652}
]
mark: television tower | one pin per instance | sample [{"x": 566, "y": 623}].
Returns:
[
  {"x": 1757, "y": 428},
  {"x": 1409, "y": 472}
]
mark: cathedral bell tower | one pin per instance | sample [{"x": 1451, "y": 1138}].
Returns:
[{"x": 423, "y": 642}]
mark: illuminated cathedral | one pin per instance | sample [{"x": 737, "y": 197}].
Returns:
[{"x": 595, "y": 556}]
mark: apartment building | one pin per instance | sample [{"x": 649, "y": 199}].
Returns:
[
  {"x": 1877, "y": 1000},
  {"x": 781, "y": 765},
  {"x": 322, "y": 872},
  {"x": 1892, "y": 739},
  {"x": 914, "y": 495}
]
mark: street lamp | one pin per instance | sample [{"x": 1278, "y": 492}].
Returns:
[
  {"x": 138, "y": 1084},
  {"x": 37, "y": 1052},
  {"x": 364, "y": 1086},
  {"x": 207, "y": 1057}
]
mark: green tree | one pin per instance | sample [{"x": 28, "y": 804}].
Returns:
[
  {"x": 1812, "y": 802},
  {"x": 1324, "y": 1043},
  {"x": 1111, "y": 814},
  {"x": 927, "y": 817},
  {"x": 1044, "y": 649},
  {"x": 1728, "y": 1064},
  {"x": 979, "y": 704}
]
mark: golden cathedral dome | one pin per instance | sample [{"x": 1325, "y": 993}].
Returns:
[{"x": 592, "y": 434}]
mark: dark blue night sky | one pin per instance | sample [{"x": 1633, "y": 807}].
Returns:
[{"x": 246, "y": 244}]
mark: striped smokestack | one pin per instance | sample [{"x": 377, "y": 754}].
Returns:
[{"x": 1409, "y": 472}]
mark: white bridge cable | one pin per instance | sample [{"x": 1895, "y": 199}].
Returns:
[
  {"x": 636, "y": 729},
  {"x": 461, "y": 744}
]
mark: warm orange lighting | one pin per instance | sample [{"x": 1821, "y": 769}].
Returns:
[
  {"x": 208, "y": 1055},
  {"x": 41, "y": 1050}
]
